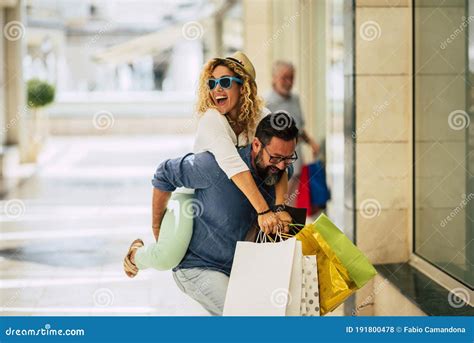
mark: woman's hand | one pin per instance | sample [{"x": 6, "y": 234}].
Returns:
[{"x": 270, "y": 222}]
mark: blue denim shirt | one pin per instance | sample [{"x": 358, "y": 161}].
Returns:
[{"x": 225, "y": 215}]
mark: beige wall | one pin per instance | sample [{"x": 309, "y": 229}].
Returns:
[
  {"x": 2, "y": 83},
  {"x": 257, "y": 41},
  {"x": 383, "y": 135},
  {"x": 295, "y": 31},
  {"x": 384, "y": 143},
  {"x": 384, "y": 128},
  {"x": 380, "y": 298},
  {"x": 383, "y": 39}
]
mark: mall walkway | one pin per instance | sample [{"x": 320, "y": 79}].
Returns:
[
  {"x": 62, "y": 244},
  {"x": 64, "y": 231}
]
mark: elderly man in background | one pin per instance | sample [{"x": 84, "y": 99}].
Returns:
[{"x": 280, "y": 98}]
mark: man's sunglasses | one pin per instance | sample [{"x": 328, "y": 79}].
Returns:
[
  {"x": 278, "y": 159},
  {"x": 225, "y": 82}
]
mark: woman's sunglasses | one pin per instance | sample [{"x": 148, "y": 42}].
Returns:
[{"x": 225, "y": 82}]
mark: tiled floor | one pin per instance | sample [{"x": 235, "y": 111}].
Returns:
[{"x": 65, "y": 231}]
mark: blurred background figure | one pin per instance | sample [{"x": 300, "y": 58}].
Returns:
[{"x": 281, "y": 98}]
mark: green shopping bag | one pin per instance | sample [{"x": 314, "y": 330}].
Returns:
[{"x": 358, "y": 266}]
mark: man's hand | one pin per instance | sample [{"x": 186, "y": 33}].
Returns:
[
  {"x": 269, "y": 222},
  {"x": 285, "y": 218}
]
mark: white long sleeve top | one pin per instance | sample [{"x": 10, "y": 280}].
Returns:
[{"x": 214, "y": 134}]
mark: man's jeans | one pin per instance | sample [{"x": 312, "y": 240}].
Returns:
[{"x": 207, "y": 287}]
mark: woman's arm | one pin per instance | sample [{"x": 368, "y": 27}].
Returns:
[
  {"x": 281, "y": 189},
  {"x": 268, "y": 222},
  {"x": 215, "y": 135},
  {"x": 281, "y": 193}
]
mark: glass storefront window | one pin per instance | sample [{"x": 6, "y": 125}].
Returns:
[{"x": 444, "y": 135}]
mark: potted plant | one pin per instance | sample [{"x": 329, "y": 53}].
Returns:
[{"x": 39, "y": 95}]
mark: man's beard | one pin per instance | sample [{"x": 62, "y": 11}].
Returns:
[{"x": 271, "y": 174}]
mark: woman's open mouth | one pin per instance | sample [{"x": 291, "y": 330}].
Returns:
[{"x": 221, "y": 99}]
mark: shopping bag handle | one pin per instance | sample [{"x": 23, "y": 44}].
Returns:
[
  {"x": 291, "y": 234},
  {"x": 262, "y": 237}
]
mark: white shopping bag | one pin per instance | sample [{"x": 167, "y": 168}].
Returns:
[
  {"x": 310, "y": 287},
  {"x": 264, "y": 280},
  {"x": 294, "y": 300}
]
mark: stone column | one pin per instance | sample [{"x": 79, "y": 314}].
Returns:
[
  {"x": 14, "y": 86},
  {"x": 383, "y": 135},
  {"x": 257, "y": 39},
  {"x": 3, "y": 122}
]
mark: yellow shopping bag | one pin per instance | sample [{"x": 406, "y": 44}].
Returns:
[{"x": 342, "y": 267}]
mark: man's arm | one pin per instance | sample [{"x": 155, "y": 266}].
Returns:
[
  {"x": 311, "y": 142},
  {"x": 191, "y": 171},
  {"x": 159, "y": 203},
  {"x": 194, "y": 171},
  {"x": 303, "y": 134}
]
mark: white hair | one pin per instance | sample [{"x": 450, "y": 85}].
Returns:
[{"x": 277, "y": 65}]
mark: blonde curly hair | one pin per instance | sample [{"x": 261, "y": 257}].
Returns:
[{"x": 250, "y": 104}]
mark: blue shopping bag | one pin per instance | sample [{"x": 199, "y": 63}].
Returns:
[{"x": 320, "y": 193}]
